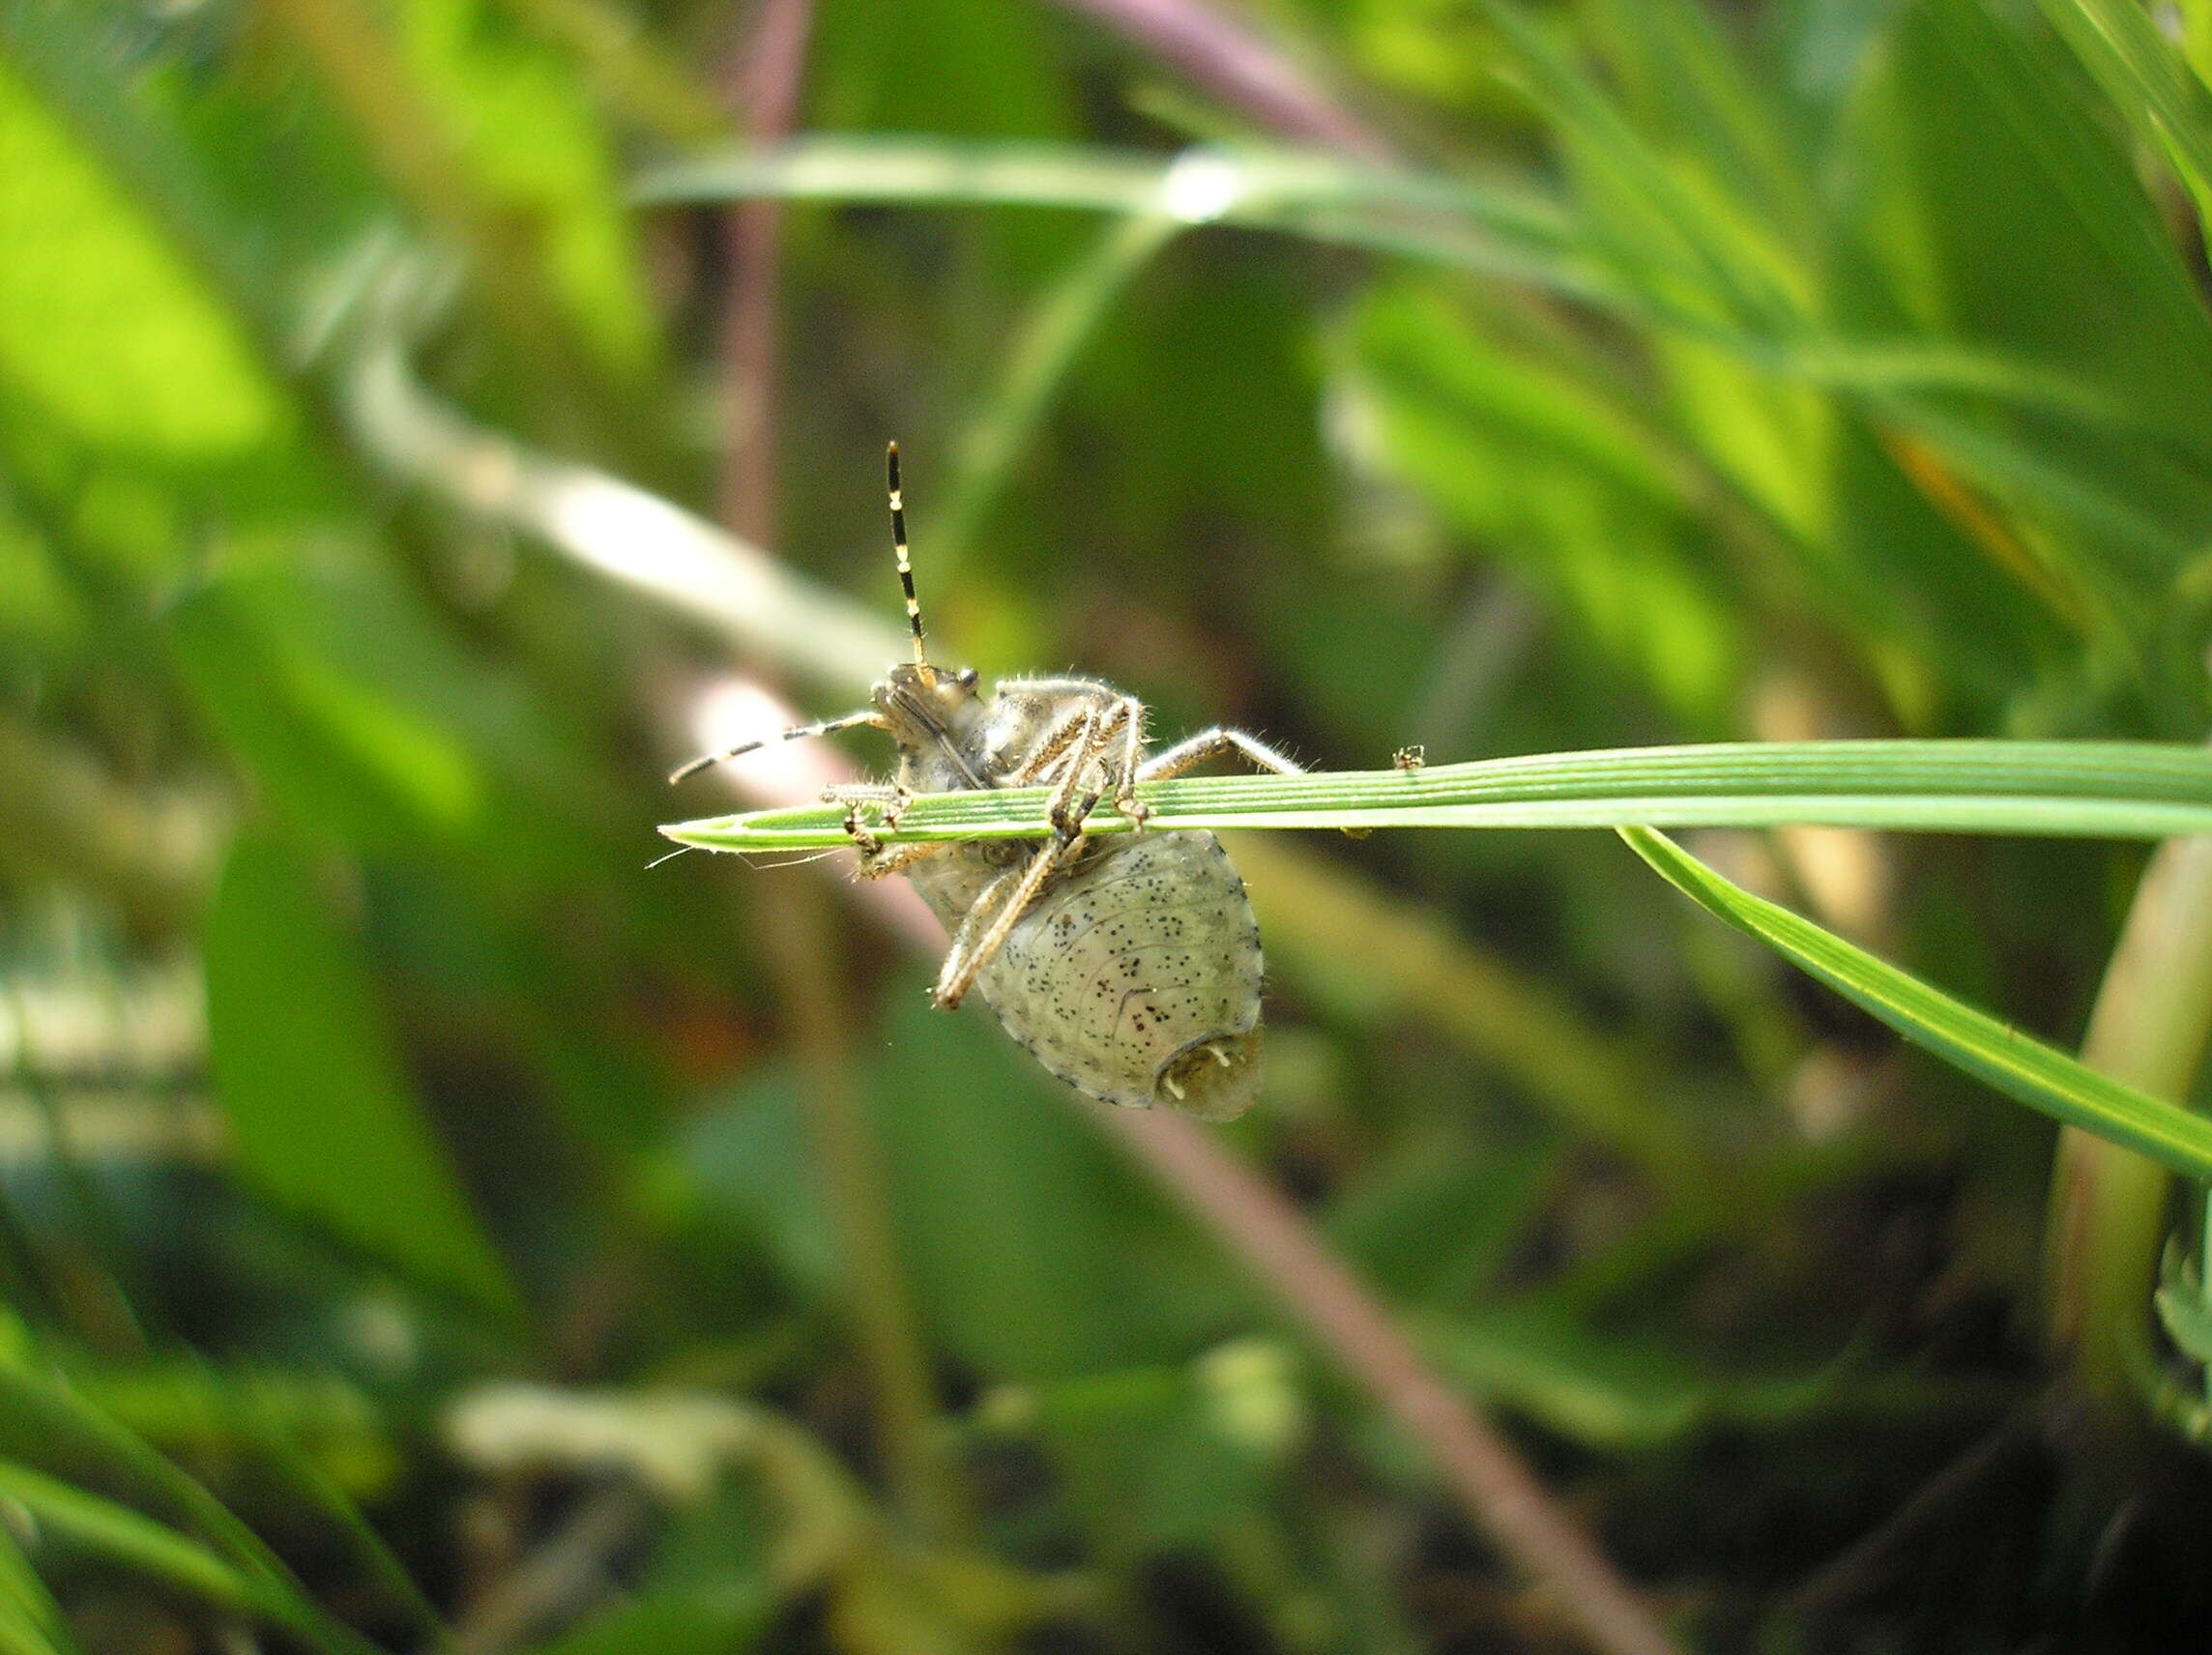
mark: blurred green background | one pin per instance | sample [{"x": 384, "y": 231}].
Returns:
[{"x": 427, "y": 1225}]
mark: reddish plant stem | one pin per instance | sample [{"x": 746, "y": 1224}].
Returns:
[
  {"x": 767, "y": 91},
  {"x": 1484, "y": 1474},
  {"x": 1238, "y": 67}
]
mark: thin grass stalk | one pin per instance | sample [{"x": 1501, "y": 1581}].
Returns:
[
  {"x": 796, "y": 933},
  {"x": 1044, "y": 348}
]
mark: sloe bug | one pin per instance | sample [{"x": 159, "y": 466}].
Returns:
[{"x": 1128, "y": 966}]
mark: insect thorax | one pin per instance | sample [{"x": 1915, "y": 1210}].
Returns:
[{"x": 949, "y": 737}]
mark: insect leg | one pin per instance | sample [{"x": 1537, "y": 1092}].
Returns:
[
  {"x": 890, "y": 799},
  {"x": 971, "y": 952},
  {"x": 1195, "y": 750},
  {"x": 897, "y": 859},
  {"x": 1061, "y": 737},
  {"x": 1130, "y": 711},
  {"x": 844, "y": 721}
]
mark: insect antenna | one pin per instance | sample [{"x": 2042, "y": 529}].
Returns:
[
  {"x": 708, "y": 761},
  {"x": 905, "y": 566}
]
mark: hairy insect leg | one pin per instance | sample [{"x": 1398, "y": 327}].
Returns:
[
  {"x": 1060, "y": 746},
  {"x": 827, "y": 726},
  {"x": 978, "y": 943},
  {"x": 1130, "y": 712},
  {"x": 897, "y": 859},
  {"x": 1195, "y": 750},
  {"x": 890, "y": 799}
]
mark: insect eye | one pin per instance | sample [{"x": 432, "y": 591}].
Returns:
[{"x": 966, "y": 678}]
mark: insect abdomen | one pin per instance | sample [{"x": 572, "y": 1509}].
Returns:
[{"x": 1136, "y": 978}]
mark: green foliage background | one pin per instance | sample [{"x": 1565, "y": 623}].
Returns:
[{"x": 1567, "y": 376}]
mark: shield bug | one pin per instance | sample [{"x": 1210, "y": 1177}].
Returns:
[{"x": 1128, "y": 966}]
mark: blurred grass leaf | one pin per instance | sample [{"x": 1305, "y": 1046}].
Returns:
[
  {"x": 103, "y": 329},
  {"x": 2148, "y": 81},
  {"x": 534, "y": 145},
  {"x": 1608, "y": 1391},
  {"x": 2017, "y": 1064},
  {"x": 2183, "y": 1310},
  {"x": 341, "y": 751},
  {"x": 30, "y": 1620},
  {"x": 126, "y": 1537},
  {"x": 701, "y": 1620},
  {"x": 325, "y": 1120}
]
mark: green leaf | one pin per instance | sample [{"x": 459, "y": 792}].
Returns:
[
  {"x": 2017, "y": 1064},
  {"x": 137, "y": 1542},
  {"x": 2148, "y": 81},
  {"x": 2088, "y": 789},
  {"x": 103, "y": 328},
  {"x": 325, "y": 1120},
  {"x": 30, "y": 1620},
  {"x": 695, "y": 1621},
  {"x": 127, "y": 1537},
  {"x": 2184, "y": 1310},
  {"x": 534, "y": 144},
  {"x": 323, "y": 687}
]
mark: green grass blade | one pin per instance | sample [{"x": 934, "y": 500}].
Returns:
[
  {"x": 2147, "y": 79},
  {"x": 31, "y": 1623},
  {"x": 2078, "y": 789},
  {"x": 2017, "y": 1064},
  {"x": 136, "y": 1542},
  {"x": 1505, "y": 230}
]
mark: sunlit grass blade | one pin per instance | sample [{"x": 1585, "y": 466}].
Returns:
[
  {"x": 1508, "y": 230},
  {"x": 133, "y": 1541},
  {"x": 31, "y": 1621},
  {"x": 234, "y": 1560},
  {"x": 2148, "y": 81},
  {"x": 2017, "y": 1064},
  {"x": 2078, "y": 789},
  {"x": 126, "y": 1537}
]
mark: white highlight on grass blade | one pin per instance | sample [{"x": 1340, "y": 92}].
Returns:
[
  {"x": 622, "y": 531},
  {"x": 1201, "y": 186}
]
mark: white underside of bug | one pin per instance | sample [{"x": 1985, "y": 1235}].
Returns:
[{"x": 1128, "y": 966}]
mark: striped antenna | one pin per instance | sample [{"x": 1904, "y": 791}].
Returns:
[
  {"x": 905, "y": 568},
  {"x": 827, "y": 726}
]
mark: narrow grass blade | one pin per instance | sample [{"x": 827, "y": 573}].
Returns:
[
  {"x": 2081, "y": 789},
  {"x": 2148, "y": 81},
  {"x": 1505, "y": 229},
  {"x": 31, "y": 1623},
  {"x": 2017, "y": 1064},
  {"x": 126, "y": 1537}
]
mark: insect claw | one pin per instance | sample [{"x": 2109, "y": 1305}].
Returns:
[{"x": 869, "y": 844}]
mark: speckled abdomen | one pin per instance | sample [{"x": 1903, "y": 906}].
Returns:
[{"x": 1136, "y": 977}]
